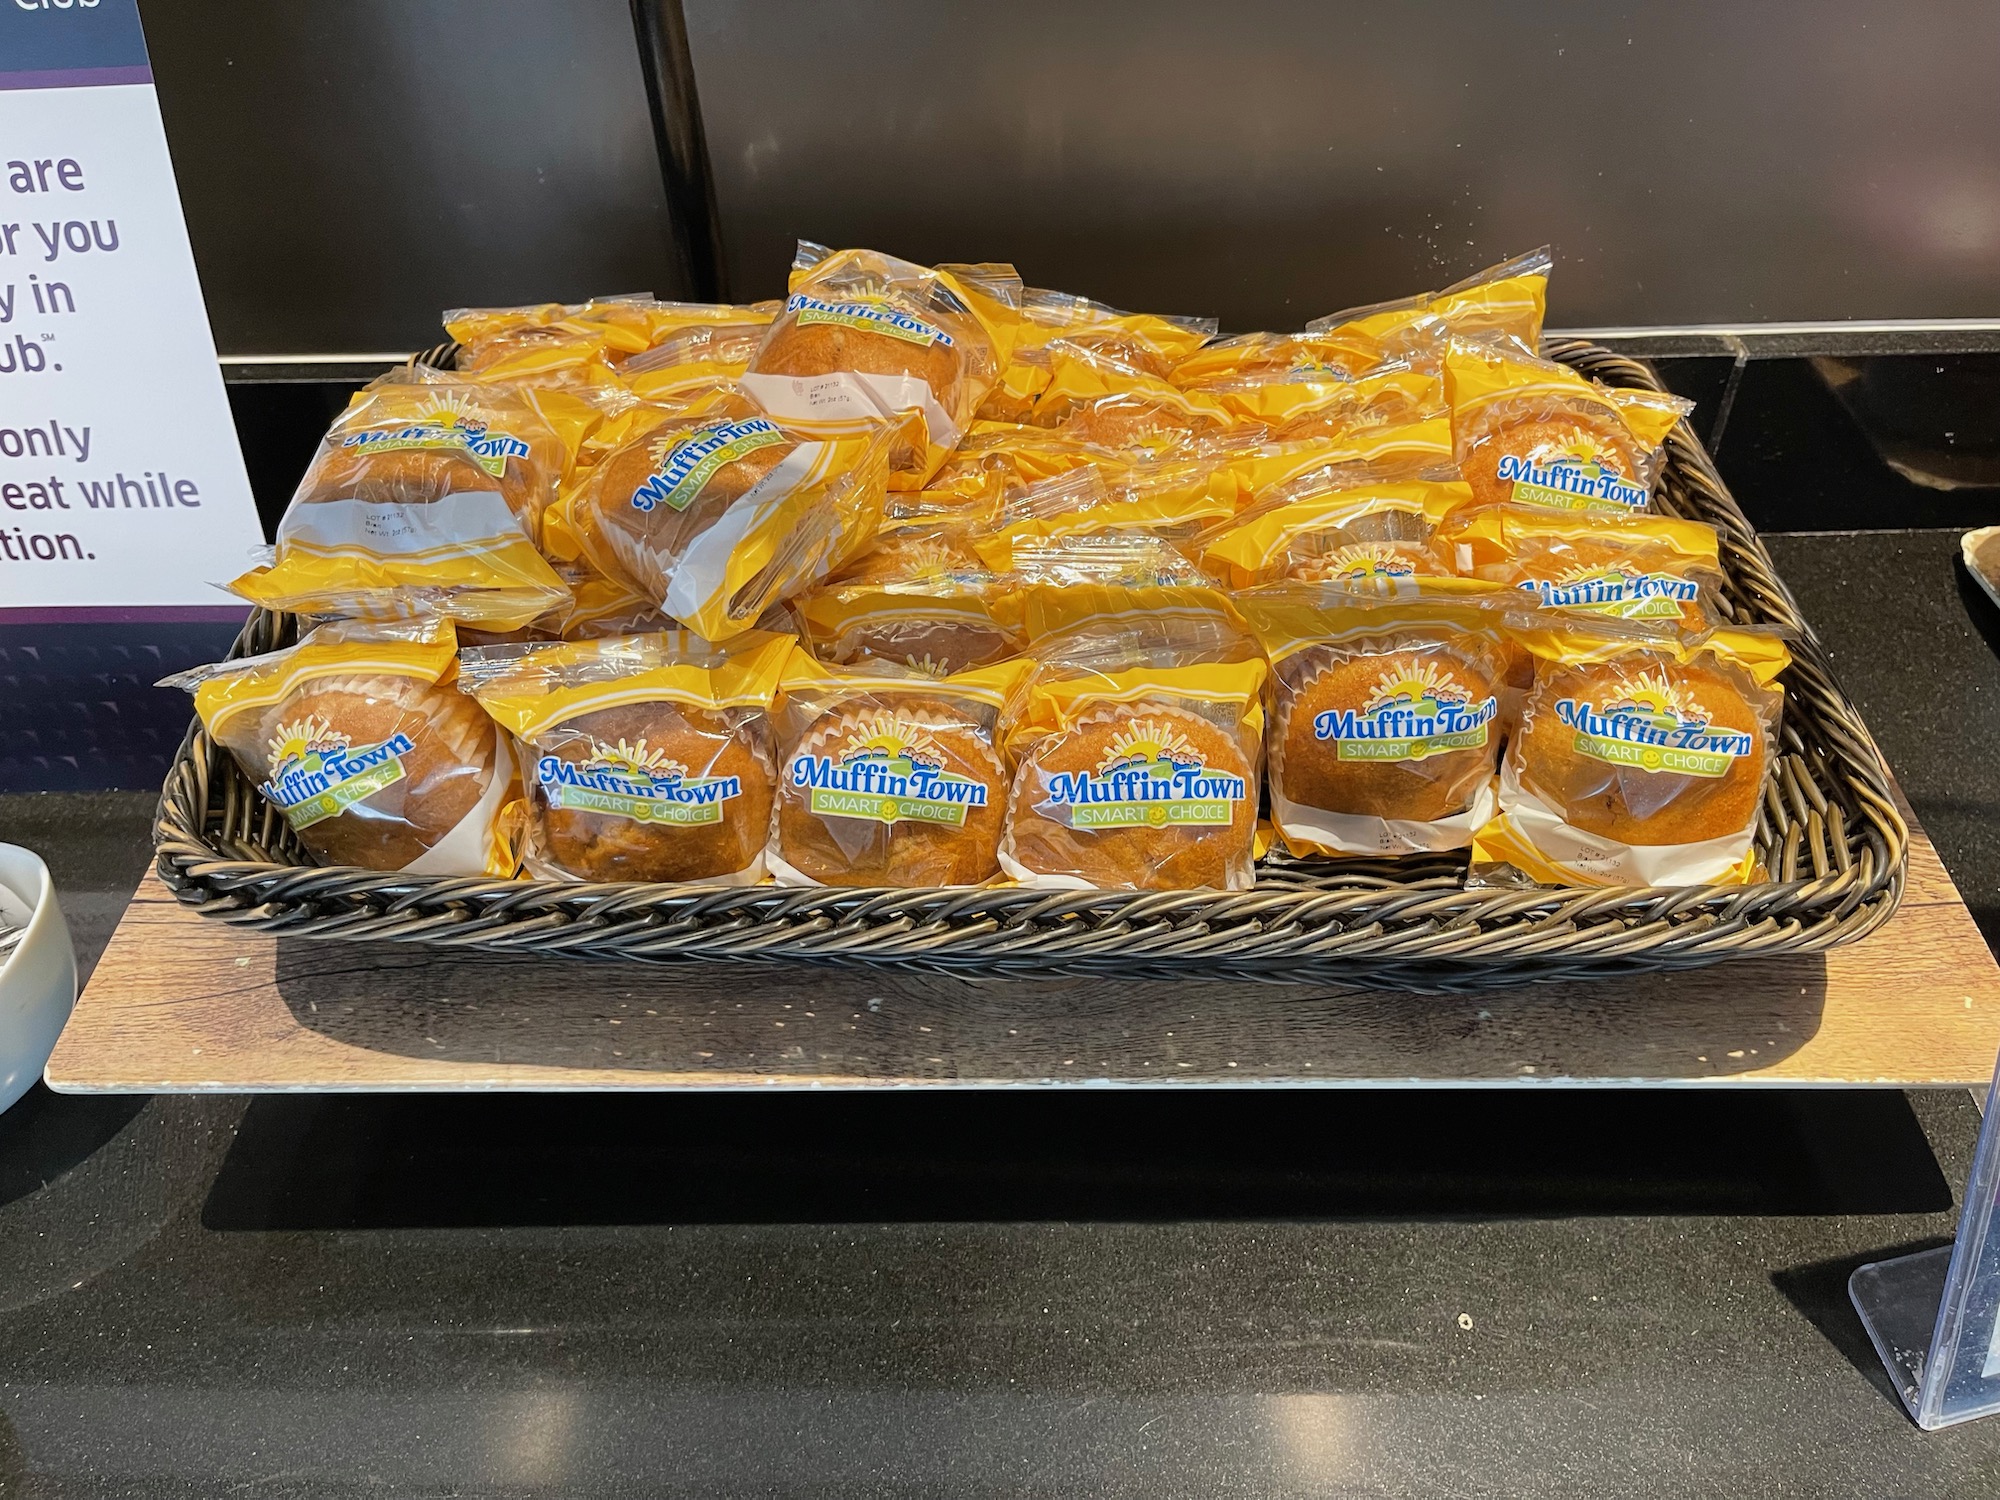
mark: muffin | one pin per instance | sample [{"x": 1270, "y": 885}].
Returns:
[
  {"x": 656, "y": 792},
  {"x": 888, "y": 333},
  {"x": 649, "y": 501},
  {"x": 869, "y": 335},
  {"x": 1324, "y": 691},
  {"x": 938, "y": 635},
  {"x": 1138, "y": 419},
  {"x": 1599, "y": 743},
  {"x": 1088, "y": 771},
  {"x": 1334, "y": 559},
  {"x": 902, "y": 790},
  {"x": 1509, "y": 448},
  {"x": 913, "y": 554},
  {"x": 371, "y": 769}
]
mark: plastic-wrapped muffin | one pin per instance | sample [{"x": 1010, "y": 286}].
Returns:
[
  {"x": 1171, "y": 499},
  {"x": 866, "y": 339},
  {"x": 1405, "y": 735},
  {"x": 359, "y": 737},
  {"x": 1150, "y": 343},
  {"x": 696, "y": 357},
  {"x": 1147, "y": 795},
  {"x": 645, "y": 758},
  {"x": 1645, "y": 749},
  {"x": 928, "y": 627},
  {"x": 1650, "y": 568},
  {"x": 1638, "y": 761},
  {"x": 426, "y": 496},
  {"x": 1536, "y": 433},
  {"x": 1385, "y": 566},
  {"x": 1138, "y": 740},
  {"x": 923, "y": 599},
  {"x": 913, "y": 554},
  {"x": 891, "y": 777},
  {"x": 1374, "y": 534},
  {"x": 1386, "y": 713},
  {"x": 1309, "y": 402},
  {"x": 654, "y": 792},
  {"x": 717, "y": 518},
  {"x": 1100, "y": 400}
]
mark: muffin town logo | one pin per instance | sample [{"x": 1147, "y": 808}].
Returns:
[
  {"x": 1572, "y": 478},
  {"x": 1416, "y": 709},
  {"x": 1151, "y": 777},
  {"x": 868, "y": 317},
  {"x": 317, "y": 773},
  {"x": 634, "y": 781},
  {"x": 1651, "y": 725},
  {"x": 1616, "y": 589},
  {"x": 683, "y": 466},
  {"x": 891, "y": 771},
  {"x": 447, "y": 422}
]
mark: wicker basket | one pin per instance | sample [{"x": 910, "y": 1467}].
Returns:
[{"x": 1829, "y": 833}]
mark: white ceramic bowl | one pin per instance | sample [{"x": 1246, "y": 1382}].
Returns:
[{"x": 38, "y": 981}]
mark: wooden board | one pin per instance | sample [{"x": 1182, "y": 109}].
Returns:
[{"x": 182, "y": 1004}]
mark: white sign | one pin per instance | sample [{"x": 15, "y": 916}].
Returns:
[{"x": 121, "y": 483}]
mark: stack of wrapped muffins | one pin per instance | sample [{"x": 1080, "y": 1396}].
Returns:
[{"x": 924, "y": 577}]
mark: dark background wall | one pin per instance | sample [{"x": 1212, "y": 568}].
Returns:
[
  {"x": 351, "y": 167},
  {"x": 1270, "y": 160}
]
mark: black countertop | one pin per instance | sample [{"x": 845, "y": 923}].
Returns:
[{"x": 1082, "y": 1294}]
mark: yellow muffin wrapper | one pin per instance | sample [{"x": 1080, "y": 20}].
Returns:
[
  {"x": 424, "y": 652},
  {"x": 534, "y": 687},
  {"x": 1532, "y": 836},
  {"x": 1246, "y": 548},
  {"x": 466, "y": 555},
  {"x": 814, "y": 513}
]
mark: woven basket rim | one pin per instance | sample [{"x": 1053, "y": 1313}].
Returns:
[{"x": 1832, "y": 835}]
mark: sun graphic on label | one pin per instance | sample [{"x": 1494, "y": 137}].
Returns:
[
  {"x": 1155, "y": 748},
  {"x": 662, "y": 449},
  {"x": 1579, "y": 451},
  {"x": 452, "y": 409},
  {"x": 895, "y": 745},
  {"x": 925, "y": 557},
  {"x": 1596, "y": 573},
  {"x": 303, "y": 742},
  {"x": 1360, "y": 563},
  {"x": 635, "y": 759},
  {"x": 1651, "y": 698},
  {"x": 1420, "y": 686}
]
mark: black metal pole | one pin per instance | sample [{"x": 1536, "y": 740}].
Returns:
[{"x": 669, "y": 68}]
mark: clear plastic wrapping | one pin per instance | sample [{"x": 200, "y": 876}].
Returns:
[
  {"x": 644, "y": 758},
  {"x": 1533, "y": 432},
  {"x": 1386, "y": 717},
  {"x": 891, "y": 776},
  {"x": 716, "y": 519},
  {"x": 1138, "y": 744},
  {"x": 360, "y": 737},
  {"x": 865, "y": 339},
  {"x": 1640, "y": 759}
]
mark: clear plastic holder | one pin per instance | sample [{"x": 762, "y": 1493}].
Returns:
[{"x": 1934, "y": 1317}]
